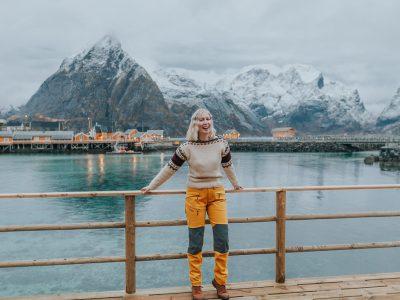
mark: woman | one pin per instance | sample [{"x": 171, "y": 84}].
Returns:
[{"x": 205, "y": 153}]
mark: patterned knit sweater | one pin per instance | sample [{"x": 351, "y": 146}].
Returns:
[{"x": 205, "y": 159}]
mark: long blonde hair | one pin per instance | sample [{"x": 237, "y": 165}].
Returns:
[{"x": 192, "y": 133}]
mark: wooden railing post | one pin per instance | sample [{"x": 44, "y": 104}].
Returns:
[
  {"x": 130, "y": 263},
  {"x": 280, "y": 229}
]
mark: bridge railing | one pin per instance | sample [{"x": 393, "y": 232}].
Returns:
[{"x": 130, "y": 224}]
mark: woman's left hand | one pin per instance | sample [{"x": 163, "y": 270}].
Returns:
[
  {"x": 145, "y": 190},
  {"x": 237, "y": 187}
]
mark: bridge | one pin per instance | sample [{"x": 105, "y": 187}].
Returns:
[{"x": 352, "y": 286}]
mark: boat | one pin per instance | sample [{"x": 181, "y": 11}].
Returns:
[{"x": 121, "y": 148}]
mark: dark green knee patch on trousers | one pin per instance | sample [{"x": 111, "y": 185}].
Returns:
[
  {"x": 196, "y": 237},
  {"x": 221, "y": 239}
]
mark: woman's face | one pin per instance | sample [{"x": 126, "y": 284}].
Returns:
[{"x": 204, "y": 123}]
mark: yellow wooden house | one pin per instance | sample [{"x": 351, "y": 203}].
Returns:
[
  {"x": 130, "y": 134},
  {"x": 283, "y": 132},
  {"x": 118, "y": 136},
  {"x": 81, "y": 137},
  {"x": 152, "y": 135},
  {"x": 231, "y": 134},
  {"x": 6, "y": 137}
]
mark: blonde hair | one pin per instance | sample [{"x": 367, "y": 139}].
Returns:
[{"x": 192, "y": 133}]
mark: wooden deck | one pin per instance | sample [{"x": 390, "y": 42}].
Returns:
[{"x": 373, "y": 286}]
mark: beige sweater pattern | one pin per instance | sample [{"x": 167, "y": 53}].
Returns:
[{"x": 205, "y": 159}]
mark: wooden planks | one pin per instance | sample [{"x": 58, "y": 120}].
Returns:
[{"x": 370, "y": 286}]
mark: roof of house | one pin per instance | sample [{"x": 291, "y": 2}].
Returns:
[
  {"x": 54, "y": 135},
  {"x": 160, "y": 132},
  {"x": 81, "y": 133},
  {"x": 129, "y": 130},
  {"x": 117, "y": 132},
  {"x": 231, "y": 131},
  {"x": 61, "y": 135},
  {"x": 282, "y": 129},
  {"x": 6, "y": 133}
]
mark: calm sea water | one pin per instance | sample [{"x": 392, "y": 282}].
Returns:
[{"x": 45, "y": 173}]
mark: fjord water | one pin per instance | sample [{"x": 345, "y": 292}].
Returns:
[{"x": 90, "y": 172}]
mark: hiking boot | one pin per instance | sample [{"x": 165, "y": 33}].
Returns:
[
  {"x": 221, "y": 290},
  {"x": 197, "y": 294}
]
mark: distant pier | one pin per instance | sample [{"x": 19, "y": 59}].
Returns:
[{"x": 256, "y": 144}]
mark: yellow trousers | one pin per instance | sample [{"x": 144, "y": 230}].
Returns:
[{"x": 198, "y": 202}]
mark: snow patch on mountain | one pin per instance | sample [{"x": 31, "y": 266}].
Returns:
[
  {"x": 389, "y": 119},
  {"x": 183, "y": 85},
  {"x": 107, "y": 52},
  {"x": 392, "y": 111},
  {"x": 267, "y": 90}
]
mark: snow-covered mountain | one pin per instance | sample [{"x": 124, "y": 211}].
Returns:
[
  {"x": 107, "y": 52},
  {"x": 107, "y": 85},
  {"x": 186, "y": 90},
  {"x": 389, "y": 119},
  {"x": 293, "y": 95}
]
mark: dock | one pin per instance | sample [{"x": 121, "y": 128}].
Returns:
[
  {"x": 369, "y": 286},
  {"x": 325, "y": 143},
  {"x": 372, "y": 286}
]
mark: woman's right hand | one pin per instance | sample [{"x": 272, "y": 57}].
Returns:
[{"x": 145, "y": 190}]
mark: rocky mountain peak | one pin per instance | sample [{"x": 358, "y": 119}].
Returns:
[
  {"x": 391, "y": 113},
  {"x": 105, "y": 84},
  {"x": 304, "y": 73},
  {"x": 108, "y": 42},
  {"x": 107, "y": 52}
]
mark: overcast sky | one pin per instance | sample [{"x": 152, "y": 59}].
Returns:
[{"x": 353, "y": 41}]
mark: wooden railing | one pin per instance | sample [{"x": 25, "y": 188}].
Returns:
[{"x": 131, "y": 224}]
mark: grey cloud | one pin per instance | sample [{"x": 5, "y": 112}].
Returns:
[{"x": 352, "y": 41}]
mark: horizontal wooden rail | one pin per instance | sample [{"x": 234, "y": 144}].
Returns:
[
  {"x": 62, "y": 261},
  {"x": 238, "y": 252},
  {"x": 103, "y": 225},
  {"x": 72, "y": 226},
  {"x": 293, "y": 249},
  {"x": 91, "y": 194},
  {"x": 70, "y": 194},
  {"x": 341, "y": 187},
  {"x": 108, "y": 259},
  {"x": 205, "y": 254},
  {"x": 372, "y": 214},
  {"x": 161, "y": 223}
]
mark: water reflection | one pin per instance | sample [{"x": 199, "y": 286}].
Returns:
[
  {"x": 389, "y": 166},
  {"x": 101, "y": 163},
  {"x": 162, "y": 157},
  {"x": 134, "y": 164},
  {"x": 89, "y": 171},
  {"x": 320, "y": 180}
]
